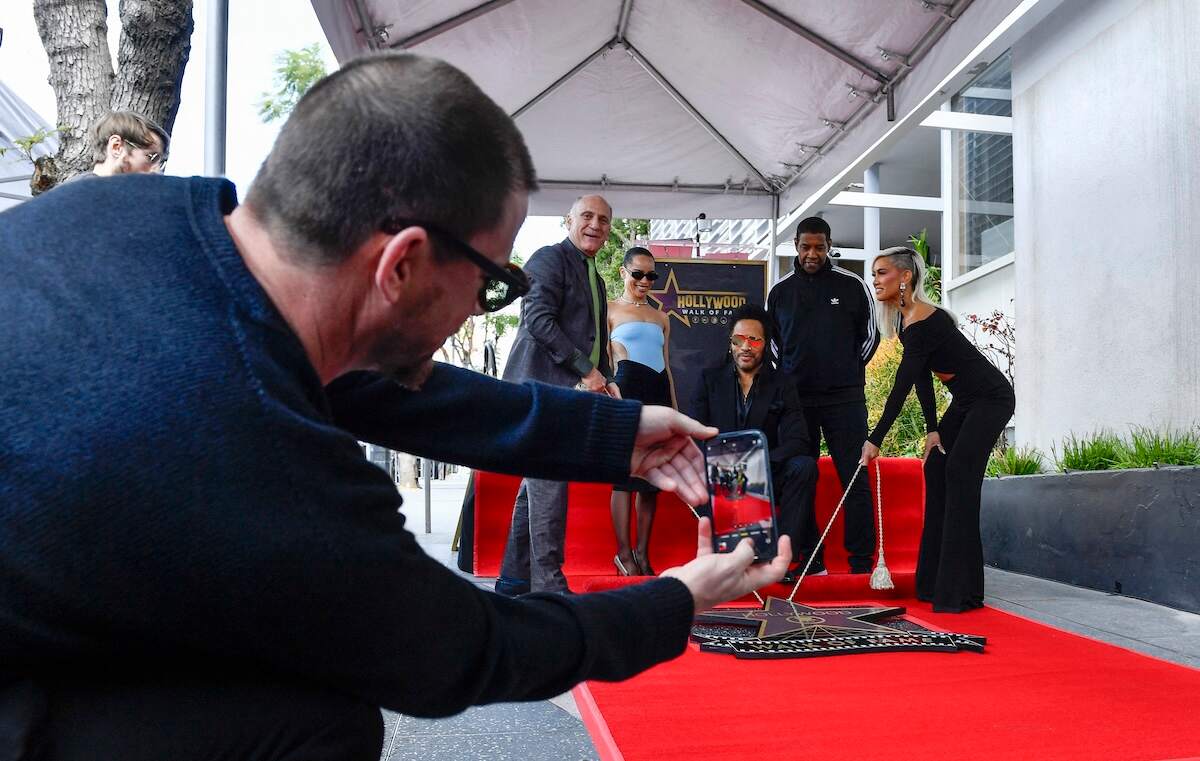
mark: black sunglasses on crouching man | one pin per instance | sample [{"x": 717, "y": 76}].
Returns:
[{"x": 503, "y": 285}]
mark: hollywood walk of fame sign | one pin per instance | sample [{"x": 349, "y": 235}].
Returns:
[
  {"x": 784, "y": 629},
  {"x": 699, "y": 296}
]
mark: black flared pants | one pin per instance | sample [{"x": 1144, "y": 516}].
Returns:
[{"x": 950, "y": 564}]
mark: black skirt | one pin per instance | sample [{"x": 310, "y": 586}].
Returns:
[{"x": 637, "y": 381}]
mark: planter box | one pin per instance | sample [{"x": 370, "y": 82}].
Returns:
[{"x": 1135, "y": 532}]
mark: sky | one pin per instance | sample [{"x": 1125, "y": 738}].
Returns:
[{"x": 258, "y": 33}]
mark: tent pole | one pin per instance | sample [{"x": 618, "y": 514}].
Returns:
[
  {"x": 216, "y": 87},
  {"x": 563, "y": 79},
  {"x": 452, "y": 23},
  {"x": 665, "y": 84}
]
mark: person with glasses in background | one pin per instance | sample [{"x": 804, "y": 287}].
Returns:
[
  {"x": 745, "y": 393},
  {"x": 639, "y": 338},
  {"x": 563, "y": 341},
  {"x": 127, "y": 143},
  {"x": 198, "y": 560}
]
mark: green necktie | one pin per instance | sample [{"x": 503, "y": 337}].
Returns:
[{"x": 591, "y": 270}]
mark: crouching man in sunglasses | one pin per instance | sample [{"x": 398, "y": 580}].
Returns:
[{"x": 745, "y": 393}]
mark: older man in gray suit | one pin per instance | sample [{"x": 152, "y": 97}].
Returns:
[{"x": 563, "y": 340}]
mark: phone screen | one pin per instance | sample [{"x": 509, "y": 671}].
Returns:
[{"x": 741, "y": 501}]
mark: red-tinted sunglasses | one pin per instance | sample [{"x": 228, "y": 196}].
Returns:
[{"x": 737, "y": 339}]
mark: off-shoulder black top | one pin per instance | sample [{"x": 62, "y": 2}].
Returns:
[{"x": 935, "y": 344}]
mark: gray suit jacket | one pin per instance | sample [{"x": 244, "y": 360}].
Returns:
[{"x": 556, "y": 319}]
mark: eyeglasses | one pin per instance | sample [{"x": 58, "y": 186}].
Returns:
[
  {"x": 739, "y": 340},
  {"x": 503, "y": 285},
  {"x": 156, "y": 158},
  {"x": 638, "y": 275}
]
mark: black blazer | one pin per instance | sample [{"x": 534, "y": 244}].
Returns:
[
  {"x": 774, "y": 409},
  {"x": 556, "y": 319}
]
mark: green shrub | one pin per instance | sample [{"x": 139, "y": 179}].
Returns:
[
  {"x": 1147, "y": 448},
  {"x": 1099, "y": 451},
  {"x": 907, "y": 435},
  {"x": 1014, "y": 461}
]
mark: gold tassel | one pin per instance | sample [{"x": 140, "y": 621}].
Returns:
[{"x": 881, "y": 578}]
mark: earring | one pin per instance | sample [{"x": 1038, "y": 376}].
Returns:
[{"x": 902, "y": 294}]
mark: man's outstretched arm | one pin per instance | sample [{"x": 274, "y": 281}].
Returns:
[{"x": 464, "y": 417}]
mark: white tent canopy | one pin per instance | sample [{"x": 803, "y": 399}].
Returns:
[{"x": 735, "y": 108}]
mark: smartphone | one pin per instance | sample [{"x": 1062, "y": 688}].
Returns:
[{"x": 740, "y": 499}]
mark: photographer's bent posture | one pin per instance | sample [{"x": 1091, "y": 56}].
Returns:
[{"x": 198, "y": 561}]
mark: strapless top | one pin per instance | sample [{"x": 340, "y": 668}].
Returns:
[{"x": 643, "y": 341}]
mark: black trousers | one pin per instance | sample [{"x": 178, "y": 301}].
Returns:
[
  {"x": 184, "y": 717},
  {"x": 845, "y": 429},
  {"x": 950, "y": 563},
  {"x": 795, "y": 484}
]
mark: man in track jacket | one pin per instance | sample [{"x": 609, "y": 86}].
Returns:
[{"x": 823, "y": 320}]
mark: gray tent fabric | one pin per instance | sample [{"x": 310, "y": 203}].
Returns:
[
  {"x": 18, "y": 120},
  {"x": 738, "y": 108}
]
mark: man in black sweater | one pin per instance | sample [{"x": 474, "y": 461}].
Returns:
[
  {"x": 823, "y": 317},
  {"x": 198, "y": 561}
]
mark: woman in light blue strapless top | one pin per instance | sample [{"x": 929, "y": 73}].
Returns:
[{"x": 639, "y": 335}]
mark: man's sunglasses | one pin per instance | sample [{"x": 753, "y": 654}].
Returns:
[
  {"x": 503, "y": 285},
  {"x": 638, "y": 275},
  {"x": 739, "y": 340}
]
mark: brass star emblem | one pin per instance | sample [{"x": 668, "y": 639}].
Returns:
[{"x": 781, "y": 619}]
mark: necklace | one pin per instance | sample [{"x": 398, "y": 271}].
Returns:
[{"x": 625, "y": 299}]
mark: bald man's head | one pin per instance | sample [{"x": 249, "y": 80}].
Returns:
[{"x": 589, "y": 223}]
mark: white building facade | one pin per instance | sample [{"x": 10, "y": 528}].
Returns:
[{"x": 1061, "y": 187}]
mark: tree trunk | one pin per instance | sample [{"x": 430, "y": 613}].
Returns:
[
  {"x": 75, "y": 35},
  {"x": 153, "y": 52},
  {"x": 156, "y": 42}
]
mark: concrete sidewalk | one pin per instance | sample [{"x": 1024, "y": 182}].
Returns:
[{"x": 553, "y": 730}]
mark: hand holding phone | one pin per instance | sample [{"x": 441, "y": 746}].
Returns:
[{"x": 741, "y": 501}]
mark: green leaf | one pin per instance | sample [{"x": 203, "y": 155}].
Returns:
[{"x": 296, "y": 71}]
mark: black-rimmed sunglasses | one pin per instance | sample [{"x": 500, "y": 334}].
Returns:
[
  {"x": 503, "y": 285},
  {"x": 638, "y": 275}
]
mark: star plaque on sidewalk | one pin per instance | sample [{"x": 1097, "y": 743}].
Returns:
[{"x": 785, "y": 629}]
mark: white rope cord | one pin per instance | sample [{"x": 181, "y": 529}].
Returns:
[
  {"x": 825, "y": 533},
  {"x": 881, "y": 578}
]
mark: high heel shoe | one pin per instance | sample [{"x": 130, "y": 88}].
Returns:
[
  {"x": 643, "y": 564},
  {"x": 620, "y": 566}
]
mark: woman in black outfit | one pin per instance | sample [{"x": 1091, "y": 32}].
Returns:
[{"x": 950, "y": 563}]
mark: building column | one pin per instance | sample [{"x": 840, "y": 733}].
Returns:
[{"x": 871, "y": 214}]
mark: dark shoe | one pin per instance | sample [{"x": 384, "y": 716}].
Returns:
[
  {"x": 643, "y": 564},
  {"x": 512, "y": 587},
  {"x": 818, "y": 569},
  {"x": 859, "y": 565}
]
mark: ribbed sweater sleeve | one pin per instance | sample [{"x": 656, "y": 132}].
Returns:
[{"x": 471, "y": 419}]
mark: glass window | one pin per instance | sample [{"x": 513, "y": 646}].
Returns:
[{"x": 985, "y": 173}]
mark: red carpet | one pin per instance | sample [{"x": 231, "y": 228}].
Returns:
[
  {"x": 1036, "y": 693},
  {"x": 590, "y": 544}
]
